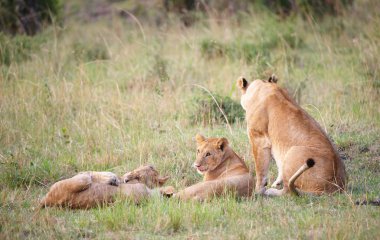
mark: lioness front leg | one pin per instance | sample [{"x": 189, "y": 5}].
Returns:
[
  {"x": 279, "y": 178},
  {"x": 262, "y": 154}
]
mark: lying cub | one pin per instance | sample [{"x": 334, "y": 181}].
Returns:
[
  {"x": 223, "y": 170},
  {"x": 90, "y": 189}
]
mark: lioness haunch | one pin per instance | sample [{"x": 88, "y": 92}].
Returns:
[
  {"x": 223, "y": 170},
  {"x": 279, "y": 128},
  {"x": 91, "y": 189}
]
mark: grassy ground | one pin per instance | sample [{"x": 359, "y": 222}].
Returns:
[{"x": 114, "y": 94}]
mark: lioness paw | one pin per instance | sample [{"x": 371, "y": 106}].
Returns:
[{"x": 273, "y": 192}]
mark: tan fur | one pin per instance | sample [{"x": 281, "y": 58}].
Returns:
[
  {"x": 277, "y": 127},
  {"x": 223, "y": 170},
  {"x": 90, "y": 189}
]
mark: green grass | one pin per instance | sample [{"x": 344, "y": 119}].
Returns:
[{"x": 110, "y": 96}]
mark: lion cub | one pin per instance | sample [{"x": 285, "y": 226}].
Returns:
[
  {"x": 90, "y": 189},
  {"x": 223, "y": 171}
]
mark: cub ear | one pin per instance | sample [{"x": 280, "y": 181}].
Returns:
[
  {"x": 242, "y": 83},
  {"x": 222, "y": 143},
  {"x": 162, "y": 180},
  {"x": 199, "y": 138},
  {"x": 273, "y": 79}
]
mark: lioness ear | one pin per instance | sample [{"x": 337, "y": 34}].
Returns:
[
  {"x": 199, "y": 138},
  {"x": 242, "y": 83},
  {"x": 273, "y": 79},
  {"x": 162, "y": 180},
  {"x": 222, "y": 143}
]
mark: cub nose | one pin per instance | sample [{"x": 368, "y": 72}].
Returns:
[{"x": 196, "y": 165}]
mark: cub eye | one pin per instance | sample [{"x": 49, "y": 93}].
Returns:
[
  {"x": 198, "y": 151},
  {"x": 208, "y": 154}
]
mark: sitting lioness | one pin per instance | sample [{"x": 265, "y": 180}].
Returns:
[
  {"x": 223, "y": 170},
  {"x": 279, "y": 128},
  {"x": 90, "y": 189}
]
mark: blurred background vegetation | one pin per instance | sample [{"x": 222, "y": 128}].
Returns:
[{"x": 31, "y": 16}]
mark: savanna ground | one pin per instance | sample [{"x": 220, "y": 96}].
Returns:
[{"x": 113, "y": 94}]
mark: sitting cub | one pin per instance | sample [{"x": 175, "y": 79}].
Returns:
[{"x": 223, "y": 170}]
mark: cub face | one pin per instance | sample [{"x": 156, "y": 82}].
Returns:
[
  {"x": 210, "y": 153},
  {"x": 147, "y": 175}
]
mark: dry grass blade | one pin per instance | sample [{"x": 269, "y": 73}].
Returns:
[{"x": 217, "y": 104}]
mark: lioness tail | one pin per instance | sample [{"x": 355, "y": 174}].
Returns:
[{"x": 309, "y": 164}]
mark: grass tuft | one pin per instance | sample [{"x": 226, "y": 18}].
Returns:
[
  {"x": 203, "y": 110},
  {"x": 90, "y": 52}
]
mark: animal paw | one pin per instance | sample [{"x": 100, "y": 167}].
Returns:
[
  {"x": 260, "y": 191},
  {"x": 272, "y": 192},
  {"x": 105, "y": 177}
]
